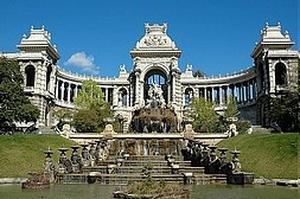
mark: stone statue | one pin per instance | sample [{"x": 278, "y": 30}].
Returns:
[
  {"x": 92, "y": 153},
  {"x": 232, "y": 130},
  {"x": 189, "y": 67},
  {"x": 156, "y": 98},
  {"x": 122, "y": 68},
  {"x": 64, "y": 164},
  {"x": 75, "y": 160},
  {"x": 49, "y": 167},
  {"x": 85, "y": 155}
]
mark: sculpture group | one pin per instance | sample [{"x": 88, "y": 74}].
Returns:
[
  {"x": 202, "y": 155},
  {"x": 91, "y": 154}
]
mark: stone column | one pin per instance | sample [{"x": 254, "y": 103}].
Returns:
[
  {"x": 106, "y": 94},
  {"x": 115, "y": 100},
  {"x": 130, "y": 94},
  {"x": 56, "y": 89},
  {"x": 220, "y": 95},
  {"x": 196, "y": 94},
  {"x": 169, "y": 91},
  {"x": 233, "y": 91},
  {"x": 62, "y": 91},
  {"x": 212, "y": 94},
  {"x": 173, "y": 88},
  {"x": 76, "y": 90},
  {"x": 227, "y": 93},
  {"x": 248, "y": 91},
  {"x": 254, "y": 89},
  {"x": 137, "y": 77},
  {"x": 127, "y": 99},
  {"x": 142, "y": 101},
  {"x": 205, "y": 93},
  {"x": 69, "y": 92},
  {"x": 240, "y": 93}
]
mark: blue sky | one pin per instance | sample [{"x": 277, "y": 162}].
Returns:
[{"x": 215, "y": 36}]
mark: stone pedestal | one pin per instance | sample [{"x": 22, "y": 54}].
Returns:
[
  {"x": 188, "y": 132},
  {"x": 240, "y": 178},
  {"x": 108, "y": 131}
]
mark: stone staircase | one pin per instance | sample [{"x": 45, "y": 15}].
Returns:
[{"x": 114, "y": 172}]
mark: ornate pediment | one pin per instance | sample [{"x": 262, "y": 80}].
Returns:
[{"x": 155, "y": 37}]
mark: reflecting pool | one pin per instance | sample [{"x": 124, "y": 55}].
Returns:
[{"x": 105, "y": 192}]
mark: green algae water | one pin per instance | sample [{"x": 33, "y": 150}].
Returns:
[{"x": 105, "y": 192}]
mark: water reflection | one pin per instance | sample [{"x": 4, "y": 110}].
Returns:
[{"x": 105, "y": 192}]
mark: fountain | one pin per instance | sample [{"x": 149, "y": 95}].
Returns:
[{"x": 155, "y": 117}]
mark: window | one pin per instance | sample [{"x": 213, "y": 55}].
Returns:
[
  {"x": 280, "y": 74},
  {"x": 30, "y": 75}
]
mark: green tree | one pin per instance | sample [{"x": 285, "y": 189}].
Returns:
[
  {"x": 14, "y": 105},
  {"x": 231, "y": 108},
  {"x": 204, "y": 116},
  {"x": 284, "y": 111},
  {"x": 91, "y": 108}
]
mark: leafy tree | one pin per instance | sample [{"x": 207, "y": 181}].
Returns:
[
  {"x": 204, "y": 116},
  {"x": 284, "y": 111},
  {"x": 14, "y": 105},
  {"x": 91, "y": 108},
  {"x": 87, "y": 120},
  {"x": 231, "y": 110}
]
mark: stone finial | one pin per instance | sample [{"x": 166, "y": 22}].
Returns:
[
  {"x": 31, "y": 28},
  {"x": 43, "y": 27},
  {"x": 189, "y": 67},
  {"x": 286, "y": 34},
  {"x": 24, "y": 36},
  {"x": 278, "y": 24},
  {"x": 267, "y": 24}
]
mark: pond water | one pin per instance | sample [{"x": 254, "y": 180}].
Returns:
[{"x": 105, "y": 192}]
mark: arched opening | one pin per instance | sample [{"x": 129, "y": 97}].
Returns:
[
  {"x": 48, "y": 77},
  {"x": 156, "y": 78},
  {"x": 122, "y": 97},
  {"x": 280, "y": 74},
  {"x": 188, "y": 96},
  {"x": 30, "y": 75}
]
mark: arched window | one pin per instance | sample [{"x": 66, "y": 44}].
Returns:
[
  {"x": 156, "y": 77},
  {"x": 280, "y": 74},
  {"x": 30, "y": 75},
  {"x": 188, "y": 96},
  {"x": 122, "y": 97},
  {"x": 48, "y": 77}
]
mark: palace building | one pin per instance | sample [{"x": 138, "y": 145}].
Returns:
[{"x": 155, "y": 74}]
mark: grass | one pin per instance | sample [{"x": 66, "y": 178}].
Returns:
[
  {"x": 20, "y": 154},
  {"x": 268, "y": 155}
]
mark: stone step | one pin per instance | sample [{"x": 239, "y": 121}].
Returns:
[
  {"x": 146, "y": 158},
  {"x": 144, "y": 163},
  {"x": 124, "y": 179},
  {"x": 137, "y": 169}
]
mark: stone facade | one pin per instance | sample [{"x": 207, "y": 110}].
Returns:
[{"x": 155, "y": 61}]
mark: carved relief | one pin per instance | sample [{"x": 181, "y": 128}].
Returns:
[{"x": 155, "y": 40}]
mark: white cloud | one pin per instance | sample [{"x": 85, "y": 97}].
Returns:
[{"x": 83, "y": 61}]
